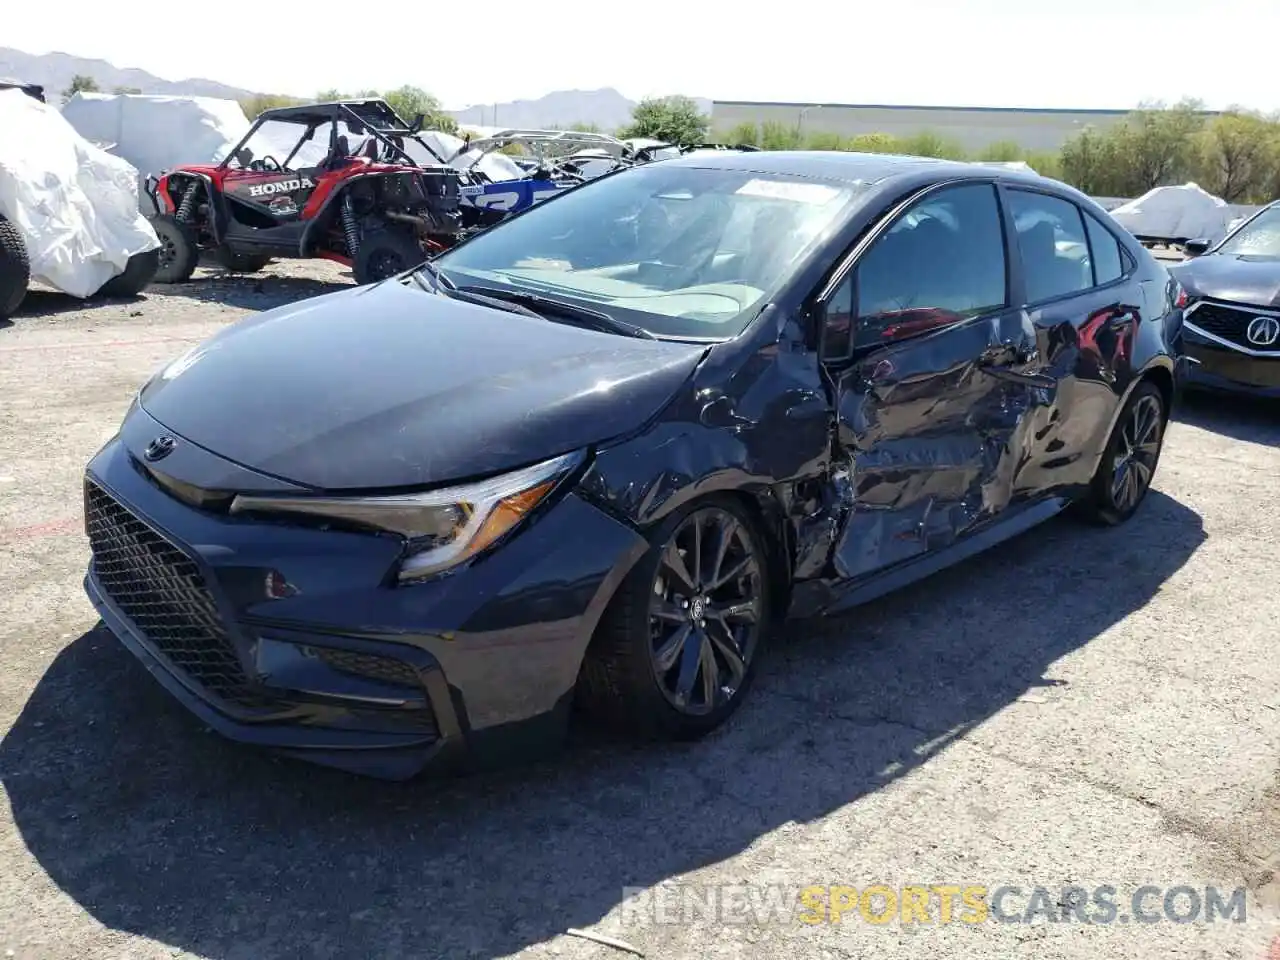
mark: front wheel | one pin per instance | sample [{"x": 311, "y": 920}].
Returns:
[
  {"x": 1129, "y": 461},
  {"x": 676, "y": 651},
  {"x": 234, "y": 261},
  {"x": 384, "y": 253},
  {"x": 179, "y": 253}
]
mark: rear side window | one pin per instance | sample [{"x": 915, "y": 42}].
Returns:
[
  {"x": 1053, "y": 245},
  {"x": 942, "y": 261},
  {"x": 1104, "y": 249}
]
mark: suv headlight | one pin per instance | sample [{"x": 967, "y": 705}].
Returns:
[{"x": 442, "y": 527}]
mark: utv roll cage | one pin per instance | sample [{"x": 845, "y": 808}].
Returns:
[
  {"x": 33, "y": 90},
  {"x": 546, "y": 148},
  {"x": 374, "y": 117}
]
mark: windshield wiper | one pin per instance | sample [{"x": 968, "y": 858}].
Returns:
[{"x": 542, "y": 306}]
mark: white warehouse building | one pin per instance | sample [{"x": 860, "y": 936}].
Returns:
[{"x": 972, "y": 128}]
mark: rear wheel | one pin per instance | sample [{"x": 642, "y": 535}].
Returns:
[
  {"x": 179, "y": 253},
  {"x": 1129, "y": 460},
  {"x": 15, "y": 269},
  {"x": 386, "y": 252},
  {"x": 234, "y": 261},
  {"x": 137, "y": 276},
  {"x": 676, "y": 651}
]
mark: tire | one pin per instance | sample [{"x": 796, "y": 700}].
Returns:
[
  {"x": 15, "y": 269},
  {"x": 386, "y": 252},
  {"x": 1129, "y": 461},
  {"x": 137, "y": 276},
  {"x": 631, "y": 676},
  {"x": 179, "y": 253},
  {"x": 235, "y": 262}
]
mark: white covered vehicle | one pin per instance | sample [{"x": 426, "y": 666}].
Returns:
[
  {"x": 68, "y": 210},
  {"x": 154, "y": 133},
  {"x": 1176, "y": 214}
]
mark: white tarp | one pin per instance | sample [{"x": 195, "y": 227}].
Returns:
[
  {"x": 158, "y": 133},
  {"x": 75, "y": 205},
  {"x": 1176, "y": 213}
]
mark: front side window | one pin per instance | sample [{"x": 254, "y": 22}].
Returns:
[
  {"x": 1258, "y": 238},
  {"x": 942, "y": 261},
  {"x": 680, "y": 251},
  {"x": 1051, "y": 241}
]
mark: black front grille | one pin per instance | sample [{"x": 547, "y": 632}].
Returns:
[
  {"x": 1229, "y": 323},
  {"x": 162, "y": 591}
]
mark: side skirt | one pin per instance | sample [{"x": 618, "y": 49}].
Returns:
[{"x": 854, "y": 593}]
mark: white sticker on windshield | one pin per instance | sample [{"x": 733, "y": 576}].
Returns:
[{"x": 814, "y": 193}]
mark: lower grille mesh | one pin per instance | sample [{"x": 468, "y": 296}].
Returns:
[{"x": 162, "y": 591}]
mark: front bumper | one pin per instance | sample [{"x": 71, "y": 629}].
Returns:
[{"x": 291, "y": 637}]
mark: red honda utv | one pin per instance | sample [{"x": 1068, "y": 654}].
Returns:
[{"x": 347, "y": 181}]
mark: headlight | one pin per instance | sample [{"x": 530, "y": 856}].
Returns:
[{"x": 443, "y": 527}]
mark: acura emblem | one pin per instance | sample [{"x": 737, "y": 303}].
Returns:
[
  {"x": 159, "y": 448},
  {"x": 1263, "y": 331}
]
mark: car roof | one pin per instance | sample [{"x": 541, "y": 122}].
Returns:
[{"x": 846, "y": 166}]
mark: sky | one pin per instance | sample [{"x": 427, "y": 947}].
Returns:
[{"x": 1029, "y": 53}]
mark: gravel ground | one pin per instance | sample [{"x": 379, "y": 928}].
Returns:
[{"x": 1082, "y": 707}]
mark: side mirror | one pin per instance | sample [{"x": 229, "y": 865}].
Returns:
[{"x": 1195, "y": 248}]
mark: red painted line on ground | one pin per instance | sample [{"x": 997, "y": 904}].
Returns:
[{"x": 54, "y": 528}]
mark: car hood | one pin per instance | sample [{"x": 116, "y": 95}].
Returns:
[
  {"x": 390, "y": 386},
  {"x": 1236, "y": 279}
]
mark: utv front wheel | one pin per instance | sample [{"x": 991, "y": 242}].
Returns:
[
  {"x": 1129, "y": 460},
  {"x": 676, "y": 651},
  {"x": 384, "y": 253},
  {"x": 137, "y": 276},
  {"x": 179, "y": 253},
  {"x": 15, "y": 269},
  {"x": 234, "y": 261}
]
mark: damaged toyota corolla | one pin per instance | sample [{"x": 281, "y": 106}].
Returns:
[{"x": 590, "y": 455}]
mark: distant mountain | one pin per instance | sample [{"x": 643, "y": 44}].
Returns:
[
  {"x": 54, "y": 71},
  {"x": 605, "y": 108}
]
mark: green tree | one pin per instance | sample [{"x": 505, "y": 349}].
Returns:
[
  {"x": 127, "y": 90},
  {"x": 408, "y": 102},
  {"x": 584, "y": 127},
  {"x": 1088, "y": 162},
  {"x": 1156, "y": 146},
  {"x": 670, "y": 119},
  {"x": 1237, "y": 154},
  {"x": 1002, "y": 151},
  {"x": 775, "y": 135},
  {"x": 743, "y": 135},
  {"x": 80, "y": 84},
  {"x": 253, "y": 106},
  {"x": 926, "y": 143},
  {"x": 873, "y": 143},
  {"x": 825, "y": 141}
]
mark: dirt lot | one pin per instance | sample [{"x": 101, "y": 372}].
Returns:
[{"x": 1082, "y": 708}]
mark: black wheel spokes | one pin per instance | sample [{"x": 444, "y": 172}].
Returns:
[
  {"x": 705, "y": 611},
  {"x": 1135, "y": 460}
]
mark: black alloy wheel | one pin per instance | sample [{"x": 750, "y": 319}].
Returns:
[
  {"x": 704, "y": 616},
  {"x": 1128, "y": 463},
  {"x": 677, "y": 649}
]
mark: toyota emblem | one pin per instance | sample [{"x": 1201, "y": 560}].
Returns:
[
  {"x": 159, "y": 448},
  {"x": 1263, "y": 331}
]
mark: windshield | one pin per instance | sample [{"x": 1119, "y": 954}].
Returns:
[
  {"x": 678, "y": 251},
  {"x": 1260, "y": 237}
]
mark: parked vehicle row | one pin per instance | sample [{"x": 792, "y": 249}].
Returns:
[{"x": 594, "y": 454}]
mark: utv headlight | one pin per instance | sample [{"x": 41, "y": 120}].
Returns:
[{"x": 442, "y": 527}]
